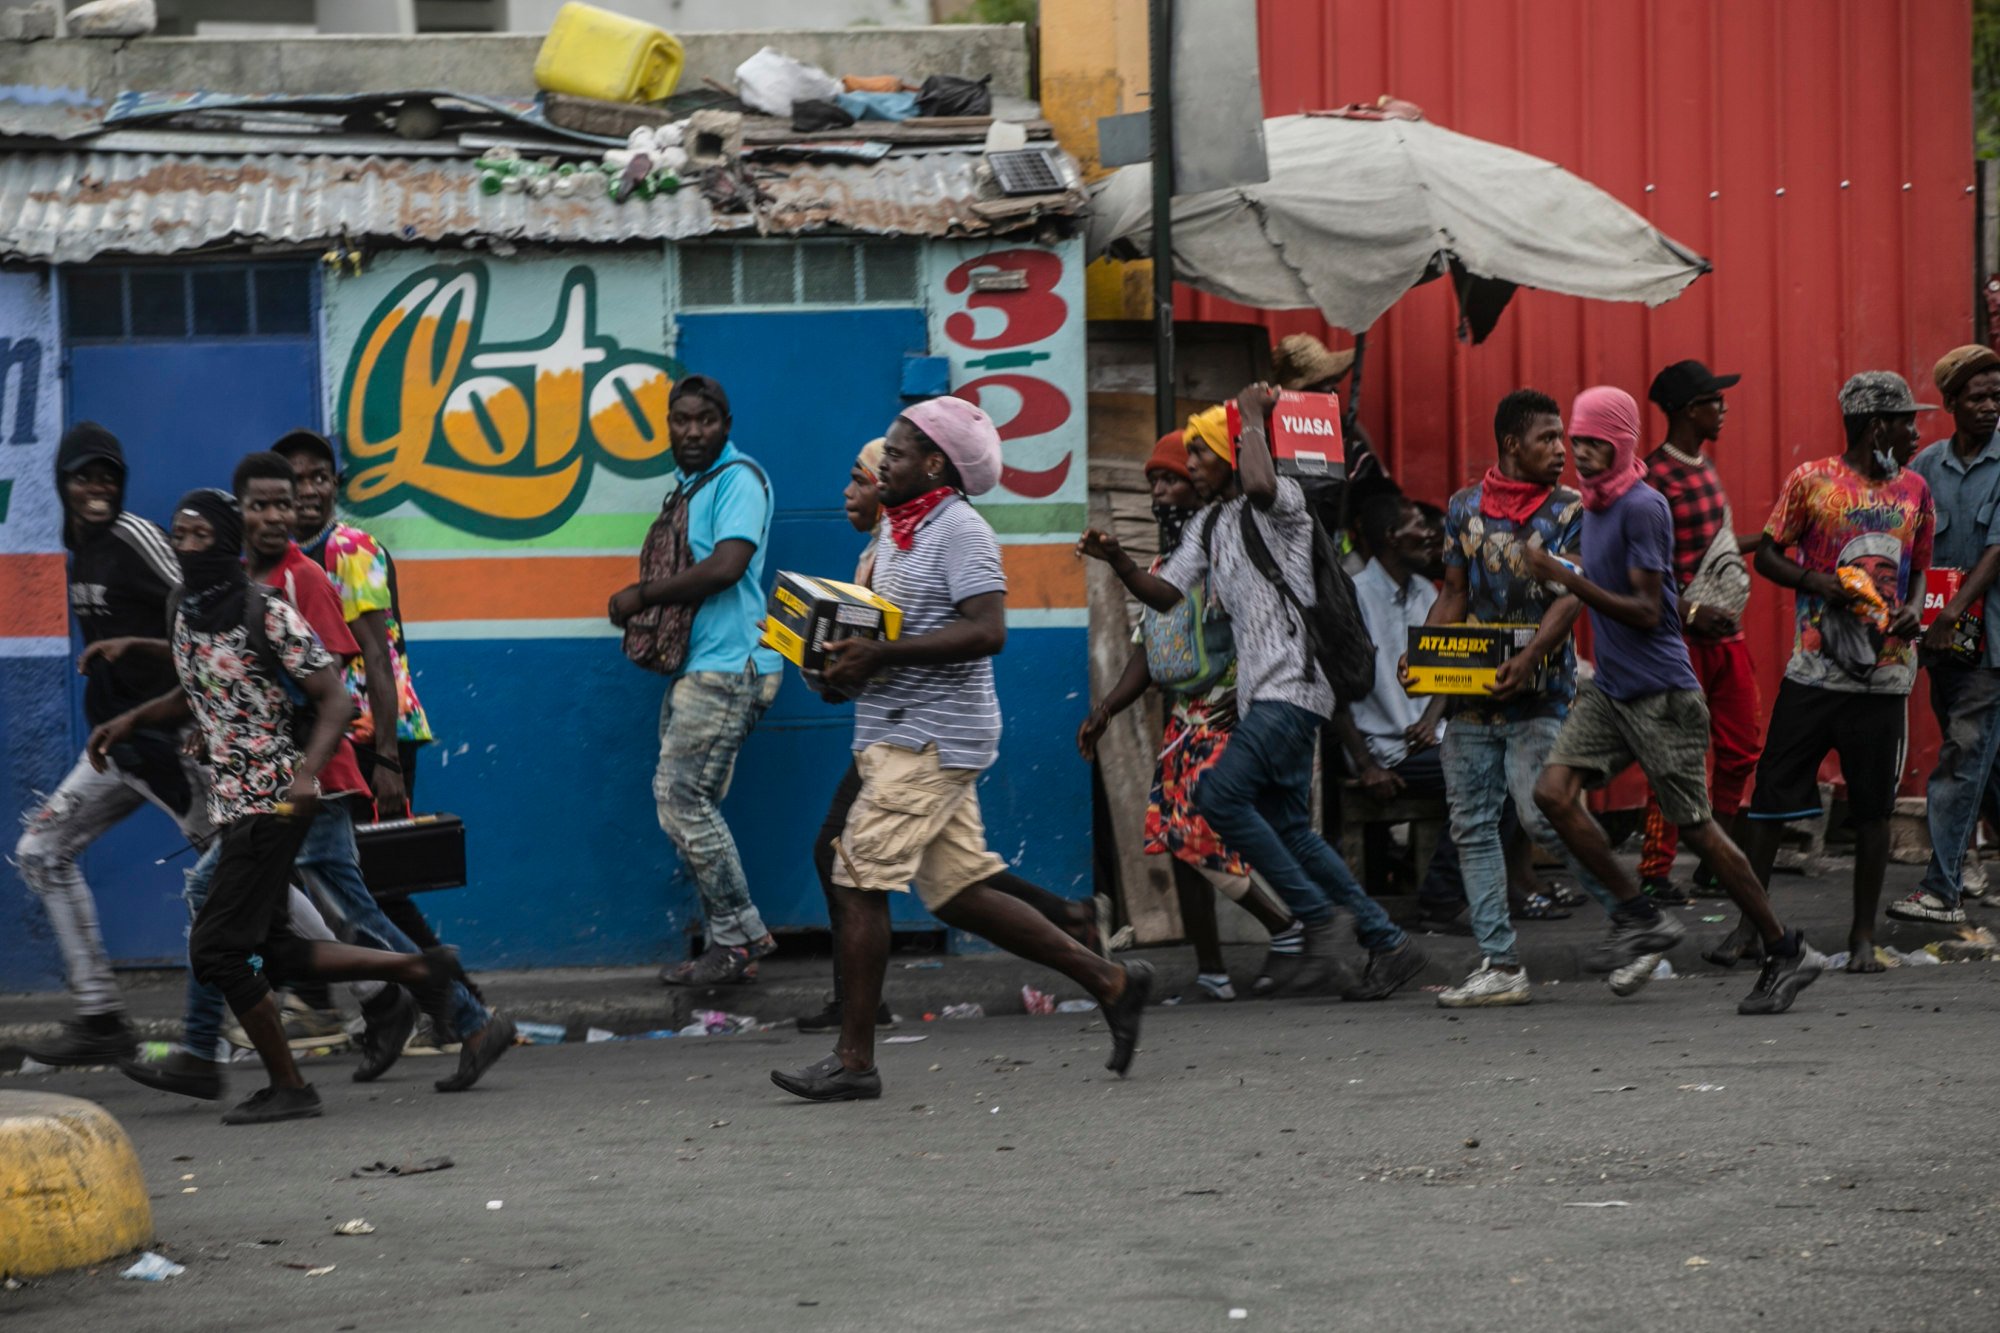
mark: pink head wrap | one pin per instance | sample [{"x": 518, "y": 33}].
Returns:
[
  {"x": 967, "y": 437},
  {"x": 1605, "y": 413}
]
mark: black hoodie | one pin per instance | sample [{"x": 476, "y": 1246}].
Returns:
[{"x": 120, "y": 574}]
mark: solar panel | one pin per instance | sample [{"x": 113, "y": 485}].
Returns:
[{"x": 1025, "y": 171}]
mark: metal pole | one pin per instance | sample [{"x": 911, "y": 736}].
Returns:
[{"x": 1160, "y": 34}]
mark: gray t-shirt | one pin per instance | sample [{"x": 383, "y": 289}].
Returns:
[
  {"x": 1274, "y": 659},
  {"x": 952, "y": 557}
]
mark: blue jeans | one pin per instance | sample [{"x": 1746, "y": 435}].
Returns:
[
  {"x": 1484, "y": 764},
  {"x": 330, "y": 866},
  {"x": 1258, "y": 797},
  {"x": 1966, "y": 700},
  {"x": 703, "y": 722}
]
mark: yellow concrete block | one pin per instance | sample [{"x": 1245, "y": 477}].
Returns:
[{"x": 71, "y": 1192}]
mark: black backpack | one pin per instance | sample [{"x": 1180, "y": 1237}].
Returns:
[{"x": 1336, "y": 635}]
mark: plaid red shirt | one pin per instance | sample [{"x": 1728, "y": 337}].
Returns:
[{"x": 1695, "y": 495}]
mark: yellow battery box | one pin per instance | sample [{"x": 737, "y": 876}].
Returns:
[
  {"x": 1462, "y": 659},
  {"x": 804, "y": 614}
]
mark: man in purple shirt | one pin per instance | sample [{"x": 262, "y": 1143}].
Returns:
[{"x": 1645, "y": 705}]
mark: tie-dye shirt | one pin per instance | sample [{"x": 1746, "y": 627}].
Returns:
[
  {"x": 366, "y": 579},
  {"x": 1835, "y": 516}
]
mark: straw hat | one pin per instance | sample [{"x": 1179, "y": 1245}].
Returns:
[{"x": 1301, "y": 359}]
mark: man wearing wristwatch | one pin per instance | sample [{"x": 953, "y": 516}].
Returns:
[{"x": 1712, "y": 584}]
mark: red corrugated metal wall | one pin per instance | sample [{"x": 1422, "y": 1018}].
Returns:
[{"x": 1819, "y": 152}]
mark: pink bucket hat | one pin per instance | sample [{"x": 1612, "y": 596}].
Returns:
[{"x": 967, "y": 437}]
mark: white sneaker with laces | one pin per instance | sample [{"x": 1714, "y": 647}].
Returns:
[
  {"x": 1489, "y": 986},
  {"x": 1922, "y": 906},
  {"x": 1632, "y": 978}
]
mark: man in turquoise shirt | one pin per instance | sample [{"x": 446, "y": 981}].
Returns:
[{"x": 727, "y": 682}]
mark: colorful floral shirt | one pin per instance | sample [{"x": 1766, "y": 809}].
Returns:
[
  {"x": 1493, "y": 552},
  {"x": 366, "y": 578},
  {"x": 244, "y": 714},
  {"x": 1835, "y": 517}
]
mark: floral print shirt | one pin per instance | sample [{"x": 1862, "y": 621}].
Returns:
[
  {"x": 365, "y": 577},
  {"x": 245, "y": 716}
]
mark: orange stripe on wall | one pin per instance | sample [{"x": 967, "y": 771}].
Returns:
[
  {"x": 577, "y": 587},
  {"x": 34, "y": 598}
]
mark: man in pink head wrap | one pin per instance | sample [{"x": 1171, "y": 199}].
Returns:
[
  {"x": 926, "y": 725},
  {"x": 1643, "y": 705}
]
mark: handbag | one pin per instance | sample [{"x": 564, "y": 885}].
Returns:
[
  {"x": 411, "y": 855},
  {"x": 1721, "y": 580},
  {"x": 1189, "y": 648},
  {"x": 657, "y": 637}
]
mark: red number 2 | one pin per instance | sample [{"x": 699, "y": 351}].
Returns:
[{"x": 1044, "y": 407}]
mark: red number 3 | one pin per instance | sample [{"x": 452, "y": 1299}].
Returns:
[{"x": 1032, "y": 314}]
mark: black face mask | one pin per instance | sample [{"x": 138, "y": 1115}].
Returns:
[
  {"x": 1173, "y": 521},
  {"x": 213, "y": 581}
]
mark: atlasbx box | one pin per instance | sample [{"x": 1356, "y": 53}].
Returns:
[
  {"x": 1463, "y": 659},
  {"x": 1940, "y": 586},
  {"x": 805, "y": 614},
  {"x": 1304, "y": 433}
]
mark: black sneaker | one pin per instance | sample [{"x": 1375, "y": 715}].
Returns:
[
  {"x": 1122, "y": 1015},
  {"x": 1665, "y": 892},
  {"x": 479, "y": 1054},
  {"x": 90, "y": 1039},
  {"x": 1387, "y": 971},
  {"x": 830, "y": 1081},
  {"x": 268, "y": 1105},
  {"x": 1783, "y": 977},
  {"x": 1739, "y": 944},
  {"x": 1638, "y": 928},
  {"x": 188, "y": 1075},
  {"x": 828, "y": 1019},
  {"x": 381, "y": 1042},
  {"x": 433, "y": 996}
]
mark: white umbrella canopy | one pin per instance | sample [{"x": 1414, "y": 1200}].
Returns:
[{"x": 1362, "y": 205}]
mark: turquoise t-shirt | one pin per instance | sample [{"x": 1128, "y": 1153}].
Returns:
[{"x": 736, "y": 506}]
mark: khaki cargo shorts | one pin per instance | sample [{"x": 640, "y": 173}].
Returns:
[
  {"x": 1666, "y": 734},
  {"x": 913, "y": 821}
]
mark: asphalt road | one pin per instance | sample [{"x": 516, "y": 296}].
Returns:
[{"x": 1313, "y": 1165}]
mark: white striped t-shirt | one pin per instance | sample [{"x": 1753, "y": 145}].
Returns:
[{"x": 952, "y": 557}]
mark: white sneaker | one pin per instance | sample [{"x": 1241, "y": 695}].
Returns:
[
  {"x": 1632, "y": 978},
  {"x": 1972, "y": 875},
  {"x": 1922, "y": 906},
  {"x": 1488, "y": 986}
]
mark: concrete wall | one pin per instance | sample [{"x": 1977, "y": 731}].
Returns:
[{"x": 483, "y": 63}]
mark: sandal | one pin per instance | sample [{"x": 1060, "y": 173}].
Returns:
[{"x": 1538, "y": 907}]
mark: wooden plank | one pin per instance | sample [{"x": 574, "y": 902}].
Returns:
[{"x": 1126, "y": 753}]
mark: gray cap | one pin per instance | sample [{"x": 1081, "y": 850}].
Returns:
[{"x": 1873, "y": 392}]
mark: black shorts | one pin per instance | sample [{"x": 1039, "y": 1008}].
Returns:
[{"x": 1867, "y": 731}]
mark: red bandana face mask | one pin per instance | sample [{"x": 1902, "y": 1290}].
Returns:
[{"x": 904, "y": 518}]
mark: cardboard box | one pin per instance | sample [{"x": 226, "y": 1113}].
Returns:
[
  {"x": 1462, "y": 659},
  {"x": 804, "y": 614},
  {"x": 1305, "y": 434},
  {"x": 1940, "y": 586}
]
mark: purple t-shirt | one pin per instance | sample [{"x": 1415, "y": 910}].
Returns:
[{"x": 1636, "y": 532}]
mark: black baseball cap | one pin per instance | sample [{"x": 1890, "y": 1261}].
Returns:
[
  {"x": 307, "y": 441},
  {"x": 1683, "y": 382}
]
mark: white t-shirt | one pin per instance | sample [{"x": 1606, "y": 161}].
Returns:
[{"x": 1390, "y": 611}]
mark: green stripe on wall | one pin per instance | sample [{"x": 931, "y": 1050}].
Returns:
[{"x": 623, "y": 532}]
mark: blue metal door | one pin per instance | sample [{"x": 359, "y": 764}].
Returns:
[
  {"x": 807, "y": 389},
  {"x": 191, "y": 367}
]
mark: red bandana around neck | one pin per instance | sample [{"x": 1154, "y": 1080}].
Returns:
[
  {"x": 904, "y": 518},
  {"x": 1501, "y": 496}
]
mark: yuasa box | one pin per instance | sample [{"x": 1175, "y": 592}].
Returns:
[
  {"x": 1304, "y": 433},
  {"x": 1940, "y": 586},
  {"x": 805, "y": 614},
  {"x": 1462, "y": 659}
]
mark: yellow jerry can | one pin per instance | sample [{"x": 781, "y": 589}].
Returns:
[{"x": 591, "y": 52}]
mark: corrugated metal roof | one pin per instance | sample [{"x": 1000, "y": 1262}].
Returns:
[{"x": 67, "y": 207}]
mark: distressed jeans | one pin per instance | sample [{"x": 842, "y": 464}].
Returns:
[
  {"x": 1484, "y": 764},
  {"x": 329, "y": 863},
  {"x": 1258, "y": 797},
  {"x": 703, "y": 722},
  {"x": 1966, "y": 700},
  {"x": 81, "y": 810}
]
